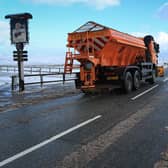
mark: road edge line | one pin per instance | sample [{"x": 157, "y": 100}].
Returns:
[
  {"x": 146, "y": 91},
  {"x": 35, "y": 147},
  {"x": 165, "y": 80}
]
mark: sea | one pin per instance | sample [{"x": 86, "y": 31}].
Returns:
[{"x": 5, "y": 79}]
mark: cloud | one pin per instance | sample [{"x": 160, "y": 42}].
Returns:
[
  {"x": 4, "y": 33},
  {"x": 98, "y": 4},
  {"x": 139, "y": 34},
  {"x": 163, "y": 11},
  {"x": 5, "y": 47},
  {"x": 162, "y": 39}
]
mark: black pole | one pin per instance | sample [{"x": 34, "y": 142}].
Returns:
[{"x": 19, "y": 47}]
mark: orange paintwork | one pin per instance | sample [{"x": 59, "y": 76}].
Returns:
[
  {"x": 121, "y": 49},
  {"x": 160, "y": 71},
  {"x": 105, "y": 47}
]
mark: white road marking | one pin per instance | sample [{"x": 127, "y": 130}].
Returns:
[
  {"x": 166, "y": 79},
  {"x": 166, "y": 128},
  {"x": 146, "y": 91},
  {"x": 33, "y": 148}
]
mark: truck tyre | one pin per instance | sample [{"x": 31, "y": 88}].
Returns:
[
  {"x": 153, "y": 79},
  {"x": 136, "y": 80},
  {"x": 128, "y": 82}
]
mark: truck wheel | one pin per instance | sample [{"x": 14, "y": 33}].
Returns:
[
  {"x": 128, "y": 83},
  {"x": 136, "y": 84},
  {"x": 153, "y": 79}
]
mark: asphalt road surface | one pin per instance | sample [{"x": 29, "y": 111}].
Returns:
[{"x": 111, "y": 130}]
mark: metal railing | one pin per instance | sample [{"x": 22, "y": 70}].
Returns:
[
  {"x": 41, "y": 81},
  {"x": 33, "y": 69},
  {"x": 39, "y": 72}
]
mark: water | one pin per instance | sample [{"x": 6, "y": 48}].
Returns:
[{"x": 5, "y": 78}]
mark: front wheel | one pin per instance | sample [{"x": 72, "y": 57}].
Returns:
[{"x": 128, "y": 82}]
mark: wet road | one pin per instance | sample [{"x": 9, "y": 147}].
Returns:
[{"x": 108, "y": 130}]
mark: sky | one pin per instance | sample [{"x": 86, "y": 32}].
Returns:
[{"x": 53, "y": 19}]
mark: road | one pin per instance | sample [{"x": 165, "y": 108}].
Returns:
[{"x": 111, "y": 130}]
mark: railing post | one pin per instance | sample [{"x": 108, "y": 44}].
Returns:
[
  {"x": 41, "y": 80},
  {"x": 63, "y": 78},
  {"x": 14, "y": 82}
]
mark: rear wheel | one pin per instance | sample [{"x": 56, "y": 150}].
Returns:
[
  {"x": 136, "y": 80},
  {"x": 128, "y": 82}
]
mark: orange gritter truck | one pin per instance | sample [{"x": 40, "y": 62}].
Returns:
[{"x": 110, "y": 58}]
